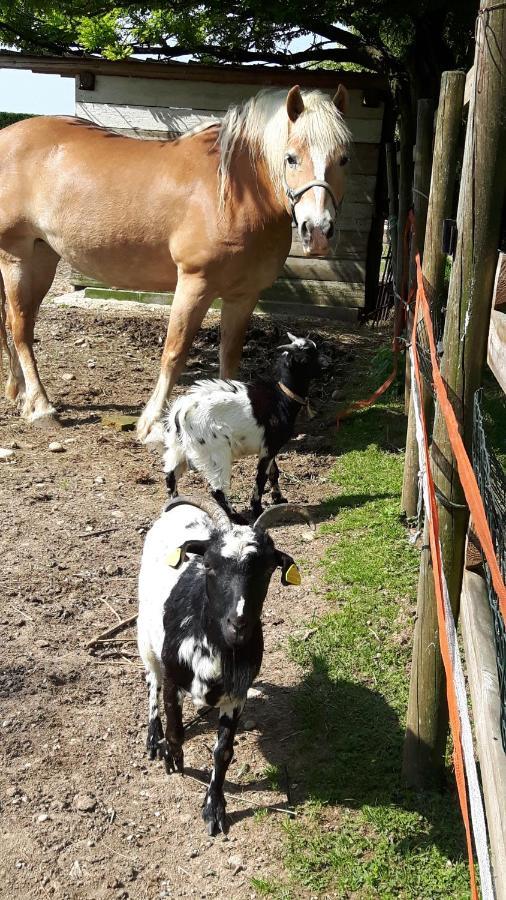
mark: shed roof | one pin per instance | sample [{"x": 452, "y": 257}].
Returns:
[{"x": 69, "y": 66}]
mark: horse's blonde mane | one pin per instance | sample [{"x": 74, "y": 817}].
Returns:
[{"x": 261, "y": 123}]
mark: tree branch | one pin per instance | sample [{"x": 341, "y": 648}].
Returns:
[
  {"x": 318, "y": 54},
  {"x": 36, "y": 41}
]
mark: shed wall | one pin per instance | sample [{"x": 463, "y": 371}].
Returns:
[{"x": 160, "y": 108}]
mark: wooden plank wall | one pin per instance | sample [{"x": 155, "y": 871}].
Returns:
[{"x": 163, "y": 108}]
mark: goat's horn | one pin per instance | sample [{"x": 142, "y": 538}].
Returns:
[
  {"x": 273, "y": 515},
  {"x": 209, "y": 506}
]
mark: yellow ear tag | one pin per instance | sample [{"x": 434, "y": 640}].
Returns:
[
  {"x": 174, "y": 557},
  {"x": 292, "y": 575}
]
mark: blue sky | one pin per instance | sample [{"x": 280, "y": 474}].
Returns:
[{"x": 24, "y": 92}]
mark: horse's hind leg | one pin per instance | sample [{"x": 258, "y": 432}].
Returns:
[
  {"x": 191, "y": 301},
  {"x": 27, "y": 278}
]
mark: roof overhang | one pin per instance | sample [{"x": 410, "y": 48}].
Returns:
[{"x": 70, "y": 66}]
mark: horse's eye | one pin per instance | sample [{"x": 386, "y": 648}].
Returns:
[
  {"x": 344, "y": 160},
  {"x": 291, "y": 160}
]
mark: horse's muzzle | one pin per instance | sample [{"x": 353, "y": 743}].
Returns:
[{"x": 316, "y": 239}]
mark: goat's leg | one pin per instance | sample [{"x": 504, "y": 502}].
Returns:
[
  {"x": 219, "y": 476},
  {"x": 234, "y": 516},
  {"x": 174, "y": 731},
  {"x": 213, "y": 811},
  {"x": 192, "y": 299},
  {"x": 172, "y": 477},
  {"x": 273, "y": 474},
  {"x": 264, "y": 463},
  {"x": 155, "y": 731}
]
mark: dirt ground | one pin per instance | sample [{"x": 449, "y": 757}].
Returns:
[{"x": 84, "y": 814}]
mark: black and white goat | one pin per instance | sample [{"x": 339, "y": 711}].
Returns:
[
  {"x": 202, "y": 585},
  {"x": 218, "y": 421}
]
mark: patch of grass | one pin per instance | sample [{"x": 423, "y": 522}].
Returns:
[
  {"x": 360, "y": 834},
  {"x": 268, "y": 888},
  {"x": 260, "y": 815},
  {"x": 273, "y": 776}
]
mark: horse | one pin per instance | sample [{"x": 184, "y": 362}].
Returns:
[{"x": 207, "y": 215}]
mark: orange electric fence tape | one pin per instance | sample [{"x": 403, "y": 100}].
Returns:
[
  {"x": 464, "y": 467},
  {"x": 433, "y": 519},
  {"x": 399, "y": 322}
]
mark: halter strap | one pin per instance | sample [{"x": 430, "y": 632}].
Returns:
[{"x": 294, "y": 195}]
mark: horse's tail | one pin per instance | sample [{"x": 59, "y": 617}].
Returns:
[{"x": 4, "y": 343}]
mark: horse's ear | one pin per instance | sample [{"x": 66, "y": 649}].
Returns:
[
  {"x": 341, "y": 99},
  {"x": 294, "y": 103}
]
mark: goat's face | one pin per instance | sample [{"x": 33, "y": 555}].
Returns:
[
  {"x": 302, "y": 359},
  {"x": 239, "y": 564}
]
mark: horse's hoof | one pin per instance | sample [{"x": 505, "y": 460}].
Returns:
[
  {"x": 46, "y": 420},
  {"x": 149, "y": 431}
]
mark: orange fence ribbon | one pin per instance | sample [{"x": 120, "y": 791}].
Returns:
[
  {"x": 399, "y": 324},
  {"x": 464, "y": 467},
  {"x": 435, "y": 548}
]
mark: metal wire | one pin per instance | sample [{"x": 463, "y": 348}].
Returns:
[{"x": 492, "y": 484}]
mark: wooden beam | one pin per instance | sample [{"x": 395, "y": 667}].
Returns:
[
  {"x": 496, "y": 357},
  {"x": 132, "y": 109},
  {"x": 131, "y": 95},
  {"x": 324, "y": 269},
  {"x": 277, "y": 303},
  {"x": 259, "y": 75},
  {"x": 469, "y": 304},
  {"x": 469, "y": 86},
  {"x": 481, "y": 665}
]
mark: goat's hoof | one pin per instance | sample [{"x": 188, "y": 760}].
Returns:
[
  {"x": 214, "y": 814},
  {"x": 278, "y": 500},
  {"x": 256, "y": 511},
  {"x": 174, "y": 760},
  {"x": 155, "y": 739}
]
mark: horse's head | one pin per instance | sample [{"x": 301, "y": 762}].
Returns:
[{"x": 314, "y": 165}]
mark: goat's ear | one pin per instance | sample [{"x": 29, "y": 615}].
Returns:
[
  {"x": 178, "y": 555},
  {"x": 289, "y": 570}
]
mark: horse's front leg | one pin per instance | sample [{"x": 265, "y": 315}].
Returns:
[
  {"x": 192, "y": 299},
  {"x": 235, "y": 318}
]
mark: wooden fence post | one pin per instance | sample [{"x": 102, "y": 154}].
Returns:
[
  {"x": 465, "y": 342},
  {"x": 442, "y": 187},
  {"x": 421, "y": 188},
  {"x": 405, "y": 188},
  {"x": 393, "y": 204}
]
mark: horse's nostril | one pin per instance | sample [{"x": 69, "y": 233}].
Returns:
[{"x": 329, "y": 230}]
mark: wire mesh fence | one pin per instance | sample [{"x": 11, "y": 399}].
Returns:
[{"x": 492, "y": 483}]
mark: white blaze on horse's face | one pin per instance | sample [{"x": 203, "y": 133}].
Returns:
[{"x": 316, "y": 209}]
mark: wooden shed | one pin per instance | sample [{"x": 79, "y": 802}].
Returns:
[{"x": 160, "y": 100}]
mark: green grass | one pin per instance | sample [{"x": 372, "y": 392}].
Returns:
[{"x": 359, "y": 834}]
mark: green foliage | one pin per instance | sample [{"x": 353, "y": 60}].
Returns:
[
  {"x": 382, "y": 35},
  {"x": 9, "y": 118}
]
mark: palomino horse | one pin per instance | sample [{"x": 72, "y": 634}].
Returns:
[{"x": 207, "y": 214}]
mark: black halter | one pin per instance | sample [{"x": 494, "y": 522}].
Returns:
[{"x": 294, "y": 195}]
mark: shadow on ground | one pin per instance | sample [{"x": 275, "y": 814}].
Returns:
[{"x": 338, "y": 743}]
